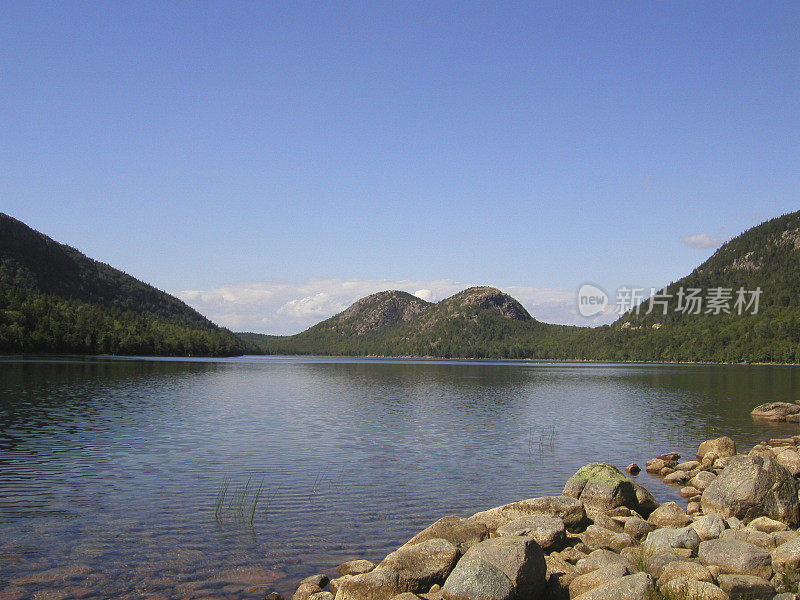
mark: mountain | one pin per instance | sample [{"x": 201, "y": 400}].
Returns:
[
  {"x": 477, "y": 322},
  {"x": 765, "y": 258},
  {"x": 374, "y": 313},
  {"x": 485, "y": 322},
  {"x": 53, "y": 299}
]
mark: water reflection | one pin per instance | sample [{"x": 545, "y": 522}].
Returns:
[{"x": 109, "y": 468}]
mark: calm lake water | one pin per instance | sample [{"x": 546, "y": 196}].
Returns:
[{"x": 110, "y": 469}]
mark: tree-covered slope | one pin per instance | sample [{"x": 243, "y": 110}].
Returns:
[
  {"x": 765, "y": 258},
  {"x": 55, "y": 299}
]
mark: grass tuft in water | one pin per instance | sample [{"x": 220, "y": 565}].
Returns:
[{"x": 241, "y": 504}]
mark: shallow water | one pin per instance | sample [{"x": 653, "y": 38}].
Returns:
[{"x": 110, "y": 468}]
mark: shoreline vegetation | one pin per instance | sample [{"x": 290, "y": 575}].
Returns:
[{"x": 607, "y": 538}]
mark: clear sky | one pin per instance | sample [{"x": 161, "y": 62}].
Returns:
[{"x": 268, "y": 161}]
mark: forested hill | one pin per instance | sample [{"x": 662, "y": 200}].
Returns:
[
  {"x": 478, "y": 322},
  {"x": 721, "y": 323},
  {"x": 53, "y": 299},
  {"x": 711, "y": 313}
]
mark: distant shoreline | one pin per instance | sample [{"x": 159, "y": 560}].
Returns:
[{"x": 398, "y": 358}]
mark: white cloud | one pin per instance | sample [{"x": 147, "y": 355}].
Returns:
[
  {"x": 426, "y": 295},
  {"x": 286, "y": 308},
  {"x": 702, "y": 240},
  {"x": 319, "y": 305}
]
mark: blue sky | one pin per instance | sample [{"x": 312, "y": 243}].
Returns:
[{"x": 254, "y": 156}]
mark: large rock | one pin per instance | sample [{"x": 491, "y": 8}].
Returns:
[
  {"x": 637, "y": 528},
  {"x": 630, "y": 587},
  {"x": 305, "y": 590},
  {"x": 569, "y": 510},
  {"x": 597, "y": 537},
  {"x": 702, "y": 480},
  {"x": 422, "y": 565},
  {"x": 775, "y": 411},
  {"x": 476, "y": 579},
  {"x": 751, "y": 536},
  {"x": 600, "y": 559},
  {"x": 549, "y": 532},
  {"x": 690, "y": 589},
  {"x": 462, "y": 533},
  {"x": 790, "y": 459},
  {"x": 669, "y": 514},
  {"x": 602, "y": 487},
  {"x": 672, "y": 537},
  {"x": 753, "y": 486},
  {"x": 355, "y": 567},
  {"x": 685, "y": 569},
  {"x": 768, "y": 525},
  {"x": 560, "y": 575},
  {"x": 378, "y": 584},
  {"x": 709, "y": 527},
  {"x": 588, "y": 581},
  {"x": 735, "y": 557},
  {"x": 786, "y": 557},
  {"x": 520, "y": 559},
  {"x": 722, "y": 447},
  {"x": 746, "y": 587}
]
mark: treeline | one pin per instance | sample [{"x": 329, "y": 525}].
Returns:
[
  {"x": 775, "y": 337},
  {"x": 41, "y": 323}
]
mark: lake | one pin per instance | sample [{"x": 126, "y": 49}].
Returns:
[{"x": 112, "y": 470}]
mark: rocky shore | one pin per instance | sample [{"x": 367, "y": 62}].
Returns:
[{"x": 607, "y": 538}]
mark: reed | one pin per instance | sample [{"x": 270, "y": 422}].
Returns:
[{"x": 240, "y": 505}]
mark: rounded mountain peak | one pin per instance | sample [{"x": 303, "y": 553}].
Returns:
[
  {"x": 491, "y": 298},
  {"x": 379, "y": 310}
]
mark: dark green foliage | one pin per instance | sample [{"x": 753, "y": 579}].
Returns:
[
  {"x": 53, "y": 299},
  {"x": 766, "y": 257}
]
